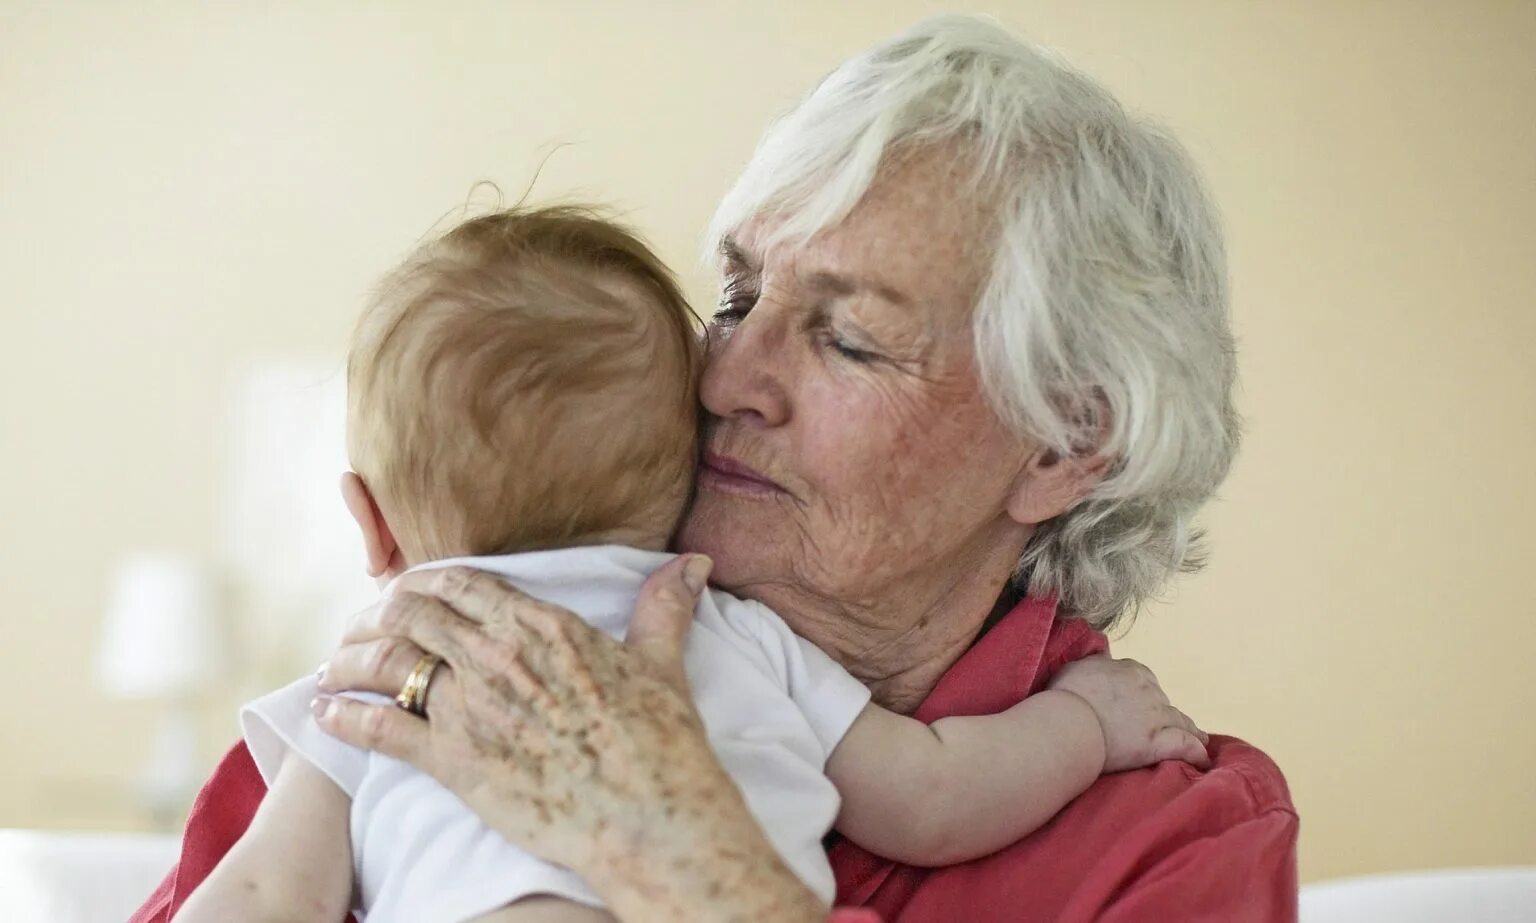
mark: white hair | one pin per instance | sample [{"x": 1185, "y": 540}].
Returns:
[{"x": 1102, "y": 325}]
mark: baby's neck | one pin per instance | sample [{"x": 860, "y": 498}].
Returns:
[{"x": 644, "y": 539}]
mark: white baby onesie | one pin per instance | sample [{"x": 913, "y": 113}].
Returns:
[{"x": 773, "y": 704}]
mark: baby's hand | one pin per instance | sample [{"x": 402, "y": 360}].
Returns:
[{"x": 1140, "y": 727}]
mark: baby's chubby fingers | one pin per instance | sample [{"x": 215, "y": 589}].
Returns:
[
  {"x": 1177, "y": 743},
  {"x": 1178, "y": 719}
]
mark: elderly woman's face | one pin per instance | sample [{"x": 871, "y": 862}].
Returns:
[{"x": 851, "y": 452}]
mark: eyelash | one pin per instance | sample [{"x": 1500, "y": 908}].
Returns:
[
  {"x": 734, "y": 305},
  {"x": 851, "y": 353},
  {"x": 732, "y": 308}
]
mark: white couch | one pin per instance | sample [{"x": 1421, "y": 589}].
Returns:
[
  {"x": 1487, "y": 895},
  {"x": 48, "y": 877}
]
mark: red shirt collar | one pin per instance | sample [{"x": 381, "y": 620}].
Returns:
[{"x": 1014, "y": 659}]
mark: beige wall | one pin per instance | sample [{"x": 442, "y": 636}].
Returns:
[{"x": 186, "y": 189}]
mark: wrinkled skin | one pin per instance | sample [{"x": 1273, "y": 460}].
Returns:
[
  {"x": 843, "y": 369},
  {"x": 840, "y": 369},
  {"x": 586, "y": 751}
]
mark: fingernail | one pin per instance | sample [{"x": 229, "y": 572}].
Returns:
[
  {"x": 320, "y": 706},
  {"x": 320, "y": 670},
  {"x": 696, "y": 572}
]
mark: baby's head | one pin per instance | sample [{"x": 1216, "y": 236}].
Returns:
[{"x": 525, "y": 381}]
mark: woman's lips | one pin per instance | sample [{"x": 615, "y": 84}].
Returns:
[{"x": 717, "y": 472}]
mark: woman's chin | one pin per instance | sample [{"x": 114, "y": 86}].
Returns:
[{"x": 740, "y": 546}]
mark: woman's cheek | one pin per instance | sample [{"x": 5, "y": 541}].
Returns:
[
  {"x": 850, "y": 466},
  {"x": 836, "y": 452}
]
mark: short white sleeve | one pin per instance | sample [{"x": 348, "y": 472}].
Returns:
[
  {"x": 826, "y": 694},
  {"x": 281, "y": 721}
]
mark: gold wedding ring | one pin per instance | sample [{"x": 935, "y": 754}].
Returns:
[{"x": 413, "y": 695}]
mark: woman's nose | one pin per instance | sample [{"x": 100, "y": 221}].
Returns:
[{"x": 744, "y": 372}]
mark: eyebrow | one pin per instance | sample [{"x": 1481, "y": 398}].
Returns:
[
  {"x": 839, "y": 284},
  {"x": 824, "y": 279},
  {"x": 733, "y": 253}
]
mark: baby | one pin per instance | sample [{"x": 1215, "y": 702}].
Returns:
[{"x": 522, "y": 400}]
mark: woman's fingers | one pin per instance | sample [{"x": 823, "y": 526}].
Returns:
[
  {"x": 664, "y": 611},
  {"x": 474, "y": 594},
  {"x": 381, "y": 666},
  {"x": 435, "y": 627},
  {"x": 379, "y": 619},
  {"x": 384, "y": 728},
  {"x": 363, "y": 625},
  {"x": 401, "y": 629},
  {"x": 1177, "y": 743}
]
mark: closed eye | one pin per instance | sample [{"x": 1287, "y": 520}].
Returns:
[
  {"x": 735, "y": 302},
  {"x": 825, "y": 333},
  {"x": 848, "y": 351}
]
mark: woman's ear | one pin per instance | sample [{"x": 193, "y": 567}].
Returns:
[
  {"x": 378, "y": 541},
  {"x": 1052, "y": 483}
]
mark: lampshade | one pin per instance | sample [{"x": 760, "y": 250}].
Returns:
[{"x": 161, "y": 638}]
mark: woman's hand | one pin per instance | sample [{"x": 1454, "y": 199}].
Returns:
[
  {"x": 584, "y": 751},
  {"x": 1140, "y": 726}
]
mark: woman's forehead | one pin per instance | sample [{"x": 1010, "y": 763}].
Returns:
[{"x": 918, "y": 237}]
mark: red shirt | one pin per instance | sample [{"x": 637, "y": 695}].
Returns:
[{"x": 1165, "y": 843}]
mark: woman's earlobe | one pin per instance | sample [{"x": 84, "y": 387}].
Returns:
[{"x": 1051, "y": 483}]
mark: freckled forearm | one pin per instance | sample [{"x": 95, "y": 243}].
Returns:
[
  {"x": 713, "y": 863},
  {"x": 725, "y": 886}
]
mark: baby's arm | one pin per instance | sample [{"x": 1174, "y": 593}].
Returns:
[
  {"x": 294, "y": 864},
  {"x": 965, "y": 787},
  {"x": 960, "y": 788}
]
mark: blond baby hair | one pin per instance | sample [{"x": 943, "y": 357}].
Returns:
[{"x": 527, "y": 380}]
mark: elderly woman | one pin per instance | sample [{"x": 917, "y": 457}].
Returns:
[{"x": 968, "y": 382}]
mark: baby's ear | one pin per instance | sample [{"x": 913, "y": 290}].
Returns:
[{"x": 378, "y": 541}]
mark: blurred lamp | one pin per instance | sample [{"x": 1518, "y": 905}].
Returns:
[{"x": 161, "y": 642}]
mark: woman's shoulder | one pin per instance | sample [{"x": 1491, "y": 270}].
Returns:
[
  {"x": 1251, "y": 776},
  {"x": 1225, "y": 822},
  {"x": 1165, "y": 842}
]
